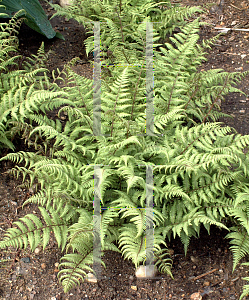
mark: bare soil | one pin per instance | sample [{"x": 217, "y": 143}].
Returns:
[{"x": 27, "y": 275}]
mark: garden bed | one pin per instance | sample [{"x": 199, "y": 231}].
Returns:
[{"x": 34, "y": 275}]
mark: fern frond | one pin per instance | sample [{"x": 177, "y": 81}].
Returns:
[
  {"x": 246, "y": 286},
  {"x": 132, "y": 248},
  {"x": 74, "y": 268},
  {"x": 163, "y": 262},
  {"x": 30, "y": 231},
  {"x": 240, "y": 244}
]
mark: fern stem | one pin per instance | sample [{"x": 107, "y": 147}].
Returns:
[
  {"x": 216, "y": 99},
  {"x": 136, "y": 88},
  {"x": 114, "y": 110},
  {"x": 192, "y": 142},
  {"x": 173, "y": 88},
  {"x": 120, "y": 5},
  {"x": 194, "y": 93},
  {"x": 121, "y": 27},
  {"x": 84, "y": 104}
]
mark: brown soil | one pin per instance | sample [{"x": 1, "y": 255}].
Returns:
[{"x": 26, "y": 275}]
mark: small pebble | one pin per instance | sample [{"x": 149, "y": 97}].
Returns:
[
  {"x": 91, "y": 278},
  {"x": 37, "y": 250},
  {"x": 196, "y": 296},
  {"x": 25, "y": 260},
  {"x": 65, "y": 3},
  {"x": 206, "y": 283},
  {"x": 171, "y": 252},
  {"x": 194, "y": 259},
  {"x": 146, "y": 271},
  {"x": 43, "y": 266}
]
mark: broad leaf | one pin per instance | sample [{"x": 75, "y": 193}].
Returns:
[{"x": 34, "y": 14}]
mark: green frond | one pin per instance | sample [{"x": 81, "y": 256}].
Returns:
[
  {"x": 30, "y": 229},
  {"x": 131, "y": 247},
  {"x": 240, "y": 244},
  {"x": 246, "y": 286},
  {"x": 163, "y": 262},
  {"x": 74, "y": 268},
  {"x": 108, "y": 217}
]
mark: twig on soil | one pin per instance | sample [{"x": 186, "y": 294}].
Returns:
[
  {"x": 237, "y": 7},
  {"x": 18, "y": 208},
  {"x": 204, "y": 274},
  {"x": 230, "y": 53},
  {"x": 235, "y": 279},
  {"x": 14, "y": 260},
  {"x": 225, "y": 29},
  {"x": 8, "y": 221},
  {"x": 6, "y": 172}
]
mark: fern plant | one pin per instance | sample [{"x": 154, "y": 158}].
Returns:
[
  {"x": 122, "y": 24},
  {"x": 123, "y": 42},
  {"x": 24, "y": 85},
  {"x": 199, "y": 166}
]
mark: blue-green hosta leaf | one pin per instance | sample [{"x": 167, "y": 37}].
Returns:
[{"x": 34, "y": 14}]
